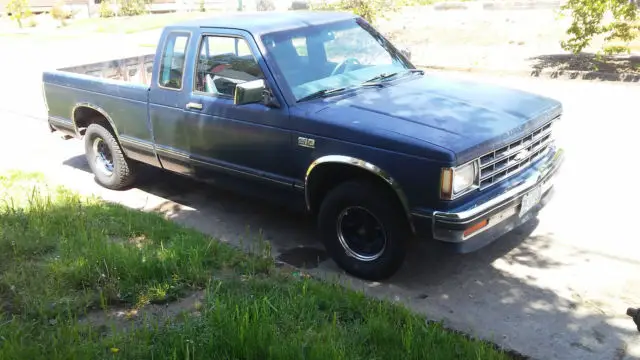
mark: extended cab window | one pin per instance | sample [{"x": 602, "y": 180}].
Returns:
[
  {"x": 223, "y": 63},
  {"x": 172, "y": 66}
]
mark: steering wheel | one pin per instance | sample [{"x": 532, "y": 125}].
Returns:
[{"x": 344, "y": 64}]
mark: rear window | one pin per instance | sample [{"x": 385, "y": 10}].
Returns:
[{"x": 172, "y": 66}]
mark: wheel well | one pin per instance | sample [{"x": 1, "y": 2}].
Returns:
[
  {"x": 327, "y": 176},
  {"x": 84, "y": 116}
]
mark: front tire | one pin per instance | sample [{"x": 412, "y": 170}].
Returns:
[
  {"x": 364, "y": 230},
  {"x": 106, "y": 158}
]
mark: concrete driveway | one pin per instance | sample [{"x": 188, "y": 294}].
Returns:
[{"x": 556, "y": 288}]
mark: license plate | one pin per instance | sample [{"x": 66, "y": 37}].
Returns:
[{"x": 530, "y": 199}]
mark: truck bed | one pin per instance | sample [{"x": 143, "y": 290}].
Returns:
[
  {"x": 118, "y": 89},
  {"x": 137, "y": 69}
]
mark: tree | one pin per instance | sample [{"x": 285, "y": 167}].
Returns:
[
  {"x": 19, "y": 10},
  {"x": 616, "y": 20}
]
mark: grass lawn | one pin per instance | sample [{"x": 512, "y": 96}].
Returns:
[{"x": 68, "y": 261}]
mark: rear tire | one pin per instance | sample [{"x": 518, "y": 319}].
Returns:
[
  {"x": 106, "y": 158},
  {"x": 364, "y": 230}
]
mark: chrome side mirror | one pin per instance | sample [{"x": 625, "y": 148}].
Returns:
[{"x": 249, "y": 92}]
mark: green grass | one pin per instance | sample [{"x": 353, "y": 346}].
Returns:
[{"x": 63, "y": 256}]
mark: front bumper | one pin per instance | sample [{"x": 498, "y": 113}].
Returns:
[{"x": 478, "y": 225}]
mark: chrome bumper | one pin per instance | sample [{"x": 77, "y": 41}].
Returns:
[{"x": 501, "y": 213}]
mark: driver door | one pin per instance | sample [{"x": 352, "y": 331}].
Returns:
[{"x": 230, "y": 142}]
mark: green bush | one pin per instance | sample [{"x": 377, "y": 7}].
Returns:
[
  {"x": 19, "y": 10},
  {"x": 58, "y": 12},
  {"x": 132, "y": 7},
  {"x": 265, "y": 5},
  {"x": 589, "y": 21},
  {"x": 105, "y": 9}
]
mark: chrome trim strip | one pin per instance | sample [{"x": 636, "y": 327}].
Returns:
[
  {"x": 348, "y": 160},
  {"x": 425, "y": 216},
  {"x": 132, "y": 141},
  {"x": 96, "y": 108},
  {"x": 171, "y": 151},
  {"x": 61, "y": 121},
  {"x": 187, "y": 157},
  {"x": 542, "y": 175}
]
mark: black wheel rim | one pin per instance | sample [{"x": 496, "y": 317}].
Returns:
[
  {"x": 361, "y": 234},
  {"x": 103, "y": 158}
]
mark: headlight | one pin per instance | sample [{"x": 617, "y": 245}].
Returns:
[{"x": 457, "y": 181}]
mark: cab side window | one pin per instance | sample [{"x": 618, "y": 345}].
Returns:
[
  {"x": 223, "y": 63},
  {"x": 172, "y": 66}
]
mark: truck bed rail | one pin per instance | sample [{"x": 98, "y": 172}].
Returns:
[{"x": 137, "y": 69}]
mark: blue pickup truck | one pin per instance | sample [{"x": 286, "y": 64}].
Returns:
[{"x": 317, "y": 110}]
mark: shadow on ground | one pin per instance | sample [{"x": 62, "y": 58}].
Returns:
[
  {"x": 468, "y": 293},
  {"x": 588, "y": 66}
]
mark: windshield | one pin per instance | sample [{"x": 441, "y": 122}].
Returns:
[{"x": 331, "y": 56}]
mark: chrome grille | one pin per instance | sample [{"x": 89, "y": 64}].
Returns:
[{"x": 515, "y": 157}]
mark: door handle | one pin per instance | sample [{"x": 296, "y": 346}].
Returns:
[{"x": 193, "y": 105}]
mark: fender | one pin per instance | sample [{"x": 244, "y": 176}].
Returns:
[
  {"x": 359, "y": 163},
  {"x": 96, "y": 108}
]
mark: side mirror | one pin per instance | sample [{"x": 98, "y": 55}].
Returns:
[
  {"x": 252, "y": 92},
  {"x": 406, "y": 52},
  {"x": 249, "y": 92}
]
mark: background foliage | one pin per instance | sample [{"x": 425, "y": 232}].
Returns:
[{"x": 616, "y": 20}]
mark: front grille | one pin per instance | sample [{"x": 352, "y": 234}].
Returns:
[{"x": 512, "y": 158}]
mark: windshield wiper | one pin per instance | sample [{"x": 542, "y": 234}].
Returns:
[
  {"x": 376, "y": 80},
  {"x": 321, "y": 93}
]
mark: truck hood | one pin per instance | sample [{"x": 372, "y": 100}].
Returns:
[{"x": 467, "y": 118}]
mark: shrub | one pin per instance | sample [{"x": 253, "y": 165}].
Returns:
[
  {"x": 105, "y": 9},
  {"x": 132, "y": 7},
  {"x": 60, "y": 13},
  {"x": 265, "y": 5},
  {"x": 19, "y": 10}
]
